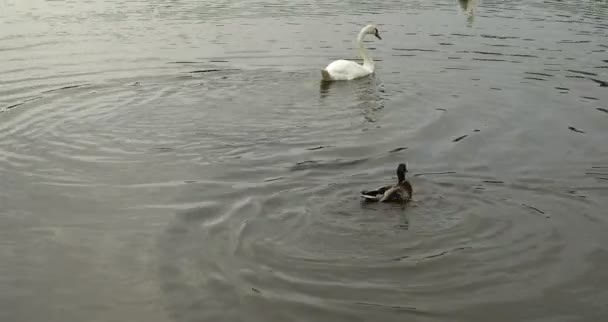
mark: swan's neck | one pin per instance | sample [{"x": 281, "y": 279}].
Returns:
[{"x": 368, "y": 62}]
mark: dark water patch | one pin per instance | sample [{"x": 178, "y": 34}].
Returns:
[
  {"x": 400, "y": 258},
  {"x": 539, "y": 74},
  {"x": 273, "y": 179},
  {"x": 581, "y": 72},
  {"x": 487, "y": 53},
  {"x": 572, "y": 128},
  {"x": 496, "y": 88},
  {"x": 460, "y": 138},
  {"x": 488, "y": 59},
  {"x": 500, "y": 45},
  {"x": 394, "y": 307},
  {"x": 164, "y": 149},
  {"x": 573, "y": 41},
  {"x": 547, "y": 49},
  {"x": 437, "y": 255},
  {"x": 317, "y": 148},
  {"x": 457, "y": 68},
  {"x": 205, "y": 71},
  {"x": 494, "y": 181},
  {"x": 433, "y": 173},
  {"x": 523, "y": 55},
  {"x": 64, "y": 88},
  {"x": 576, "y": 193},
  {"x": 600, "y": 82},
  {"x": 533, "y": 208},
  {"x": 535, "y": 78},
  {"x": 562, "y": 88},
  {"x": 397, "y": 149},
  {"x": 13, "y": 106},
  {"x": 445, "y": 44},
  {"x": 590, "y": 98},
  {"x": 461, "y": 35},
  {"x": 416, "y": 49},
  {"x": 498, "y": 37}
]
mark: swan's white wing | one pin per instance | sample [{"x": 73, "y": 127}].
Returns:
[{"x": 346, "y": 70}]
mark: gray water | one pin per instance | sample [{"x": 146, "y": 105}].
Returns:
[{"x": 181, "y": 161}]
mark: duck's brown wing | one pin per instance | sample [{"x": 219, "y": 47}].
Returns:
[{"x": 380, "y": 191}]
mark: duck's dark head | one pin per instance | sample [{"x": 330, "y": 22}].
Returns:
[{"x": 401, "y": 170}]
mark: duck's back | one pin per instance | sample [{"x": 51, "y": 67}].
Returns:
[{"x": 401, "y": 192}]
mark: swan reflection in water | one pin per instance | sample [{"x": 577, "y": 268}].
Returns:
[
  {"x": 469, "y": 7},
  {"x": 363, "y": 93}
]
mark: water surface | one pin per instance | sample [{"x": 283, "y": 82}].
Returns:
[{"x": 181, "y": 161}]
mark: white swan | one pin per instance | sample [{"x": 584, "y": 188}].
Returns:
[
  {"x": 468, "y": 6},
  {"x": 349, "y": 70}
]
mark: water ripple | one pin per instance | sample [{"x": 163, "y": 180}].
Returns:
[{"x": 182, "y": 161}]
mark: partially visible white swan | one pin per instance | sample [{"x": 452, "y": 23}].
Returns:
[
  {"x": 468, "y": 6},
  {"x": 349, "y": 70}
]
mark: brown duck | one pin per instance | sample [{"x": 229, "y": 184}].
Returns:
[{"x": 401, "y": 192}]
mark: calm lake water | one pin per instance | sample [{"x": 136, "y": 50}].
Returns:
[{"x": 181, "y": 161}]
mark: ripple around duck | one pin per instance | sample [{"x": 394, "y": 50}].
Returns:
[{"x": 320, "y": 247}]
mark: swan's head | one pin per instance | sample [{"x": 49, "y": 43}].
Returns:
[{"x": 372, "y": 30}]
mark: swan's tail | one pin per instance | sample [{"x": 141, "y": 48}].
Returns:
[{"x": 325, "y": 75}]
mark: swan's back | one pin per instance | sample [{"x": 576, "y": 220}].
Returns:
[{"x": 344, "y": 70}]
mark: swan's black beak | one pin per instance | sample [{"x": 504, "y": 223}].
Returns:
[{"x": 377, "y": 35}]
